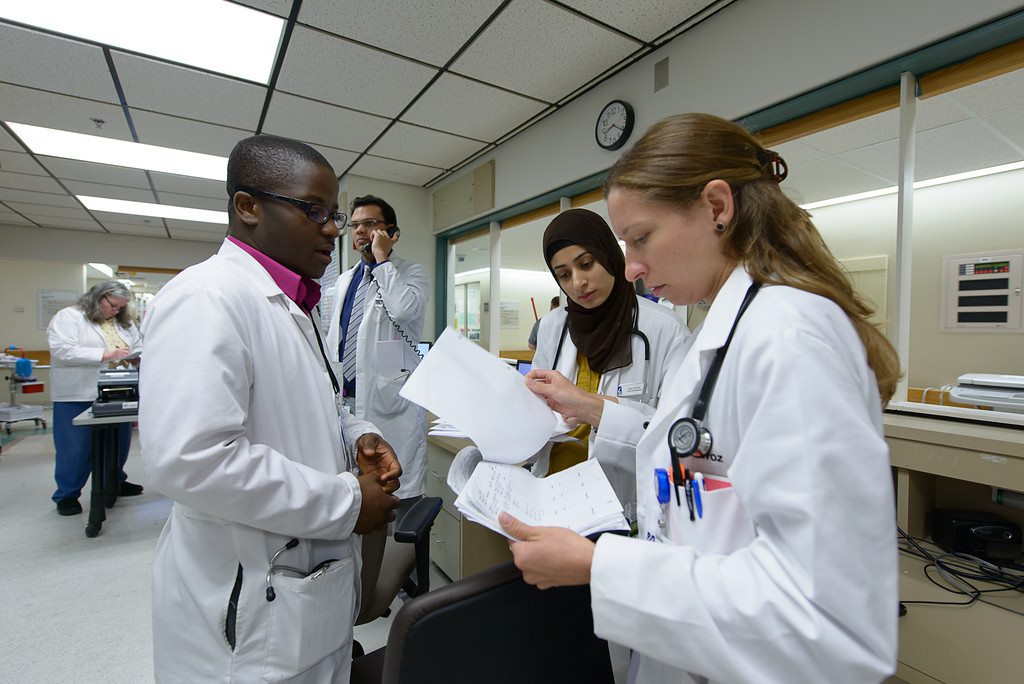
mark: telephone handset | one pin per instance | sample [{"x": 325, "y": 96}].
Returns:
[{"x": 392, "y": 232}]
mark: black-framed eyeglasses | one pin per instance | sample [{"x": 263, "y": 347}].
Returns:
[
  {"x": 112, "y": 305},
  {"x": 317, "y": 213},
  {"x": 369, "y": 224}
]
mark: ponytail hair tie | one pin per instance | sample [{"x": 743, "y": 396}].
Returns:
[{"x": 775, "y": 165}]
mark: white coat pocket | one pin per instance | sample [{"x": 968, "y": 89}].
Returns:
[
  {"x": 311, "y": 618},
  {"x": 722, "y": 527}
]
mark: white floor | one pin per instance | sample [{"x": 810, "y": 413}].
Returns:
[{"x": 78, "y": 609}]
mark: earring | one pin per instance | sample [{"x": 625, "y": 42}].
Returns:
[{"x": 720, "y": 227}]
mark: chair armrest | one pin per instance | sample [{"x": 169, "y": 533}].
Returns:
[{"x": 415, "y": 525}]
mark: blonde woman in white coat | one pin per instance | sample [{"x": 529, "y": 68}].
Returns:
[
  {"x": 94, "y": 333},
  {"x": 787, "y": 572},
  {"x": 607, "y": 337}
]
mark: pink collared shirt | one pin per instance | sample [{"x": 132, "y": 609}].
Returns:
[{"x": 303, "y": 291}]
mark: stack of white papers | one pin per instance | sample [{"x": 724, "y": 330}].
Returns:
[
  {"x": 483, "y": 398},
  {"x": 580, "y": 498}
]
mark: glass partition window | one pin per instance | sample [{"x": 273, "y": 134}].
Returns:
[{"x": 472, "y": 288}]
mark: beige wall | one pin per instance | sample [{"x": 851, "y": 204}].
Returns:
[
  {"x": 20, "y": 282},
  {"x": 977, "y": 215}
]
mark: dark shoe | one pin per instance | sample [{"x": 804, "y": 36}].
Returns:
[
  {"x": 69, "y": 507},
  {"x": 129, "y": 489}
]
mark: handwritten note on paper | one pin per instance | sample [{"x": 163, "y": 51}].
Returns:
[
  {"x": 580, "y": 498},
  {"x": 465, "y": 385}
]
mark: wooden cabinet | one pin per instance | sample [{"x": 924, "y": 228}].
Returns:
[
  {"x": 945, "y": 464},
  {"x": 458, "y": 546}
]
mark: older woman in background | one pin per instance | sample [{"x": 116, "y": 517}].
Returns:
[{"x": 95, "y": 332}]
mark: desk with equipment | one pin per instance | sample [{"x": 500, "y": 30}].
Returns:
[
  {"x": 947, "y": 474},
  {"x": 117, "y": 402}
]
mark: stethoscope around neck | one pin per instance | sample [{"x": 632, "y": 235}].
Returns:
[
  {"x": 636, "y": 331},
  {"x": 688, "y": 437}
]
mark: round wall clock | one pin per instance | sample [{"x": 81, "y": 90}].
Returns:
[{"x": 614, "y": 125}]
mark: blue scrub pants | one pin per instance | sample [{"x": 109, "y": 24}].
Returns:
[{"x": 74, "y": 449}]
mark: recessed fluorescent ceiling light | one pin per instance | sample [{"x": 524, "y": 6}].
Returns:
[
  {"x": 215, "y": 35},
  {"x": 104, "y": 269},
  {"x": 93, "y": 148},
  {"x": 147, "y": 209},
  {"x": 931, "y": 182}
]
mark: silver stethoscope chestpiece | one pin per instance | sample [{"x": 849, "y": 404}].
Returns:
[{"x": 688, "y": 437}]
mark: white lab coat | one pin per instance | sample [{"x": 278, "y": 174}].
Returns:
[
  {"x": 791, "y": 573},
  {"x": 239, "y": 426},
  {"x": 76, "y": 353},
  {"x": 665, "y": 331},
  {"x": 384, "y": 361}
]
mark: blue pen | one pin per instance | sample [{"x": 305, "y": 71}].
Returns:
[{"x": 698, "y": 483}]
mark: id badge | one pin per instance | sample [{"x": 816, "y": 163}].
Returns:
[{"x": 630, "y": 389}]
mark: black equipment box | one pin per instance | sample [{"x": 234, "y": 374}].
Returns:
[
  {"x": 117, "y": 393},
  {"x": 984, "y": 535}
]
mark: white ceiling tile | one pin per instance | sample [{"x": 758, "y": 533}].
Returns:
[
  {"x": 72, "y": 169},
  {"x": 881, "y": 160},
  {"x": 459, "y": 105},
  {"x": 112, "y": 191},
  {"x": 63, "y": 112},
  {"x": 10, "y": 218},
  {"x": 796, "y": 152},
  {"x": 50, "y": 63},
  {"x": 76, "y": 224},
  {"x": 826, "y": 178},
  {"x": 861, "y": 133},
  {"x": 646, "y": 21},
  {"x": 24, "y": 181},
  {"x": 424, "y": 146},
  {"x": 200, "y": 235},
  {"x": 334, "y": 70},
  {"x": 185, "y": 134},
  {"x": 937, "y": 111},
  {"x": 321, "y": 124},
  {"x": 339, "y": 159},
  {"x": 197, "y": 226},
  {"x": 394, "y": 171},
  {"x": 959, "y": 147},
  {"x": 518, "y": 50},
  {"x": 127, "y": 229},
  {"x": 281, "y": 8},
  {"x": 41, "y": 198},
  {"x": 20, "y": 162},
  {"x": 109, "y": 217},
  {"x": 6, "y": 141},
  {"x": 1010, "y": 123},
  {"x": 992, "y": 95},
  {"x": 186, "y": 185},
  {"x": 33, "y": 210},
  {"x": 160, "y": 87},
  {"x": 194, "y": 202},
  {"x": 430, "y": 30}
]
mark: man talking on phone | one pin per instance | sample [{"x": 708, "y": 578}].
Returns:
[{"x": 375, "y": 326}]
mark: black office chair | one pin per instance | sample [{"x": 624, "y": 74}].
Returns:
[
  {"x": 389, "y": 560},
  {"x": 491, "y": 627}
]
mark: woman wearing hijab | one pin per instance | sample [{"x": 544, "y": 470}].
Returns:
[{"x": 608, "y": 341}]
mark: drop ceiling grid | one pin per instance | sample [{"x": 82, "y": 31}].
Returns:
[
  {"x": 32, "y": 210},
  {"x": 520, "y": 49},
  {"x": 186, "y": 185},
  {"x": 959, "y": 147},
  {"x": 12, "y": 218},
  {"x": 19, "y": 162},
  {"x": 73, "y": 169},
  {"x": 281, "y": 8},
  {"x": 112, "y": 191},
  {"x": 165, "y": 130},
  {"x": 1010, "y": 124},
  {"x": 129, "y": 229},
  {"x": 46, "y": 62},
  {"x": 109, "y": 217},
  {"x": 159, "y": 87},
  {"x": 73, "y": 224},
  {"x": 646, "y": 20},
  {"x": 336, "y": 71},
  {"x": 46, "y": 199},
  {"x": 196, "y": 202},
  {"x": 24, "y": 181},
  {"x": 429, "y": 30},
  {"x": 338, "y": 159},
  {"x": 424, "y": 146},
  {"x": 826, "y": 178},
  {"x": 881, "y": 160},
  {"x": 470, "y": 108},
  {"x": 220, "y": 229},
  {"x": 321, "y": 124},
  {"x": 371, "y": 166},
  {"x": 63, "y": 112}
]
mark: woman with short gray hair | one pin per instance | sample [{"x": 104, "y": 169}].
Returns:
[{"x": 96, "y": 332}]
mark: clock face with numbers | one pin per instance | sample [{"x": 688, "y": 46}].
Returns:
[{"x": 614, "y": 125}]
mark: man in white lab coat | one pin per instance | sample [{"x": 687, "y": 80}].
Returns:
[
  {"x": 256, "y": 573},
  {"x": 377, "y": 320}
]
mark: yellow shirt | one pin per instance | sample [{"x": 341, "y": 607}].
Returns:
[
  {"x": 111, "y": 336},
  {"x": 567, "y": 454}
]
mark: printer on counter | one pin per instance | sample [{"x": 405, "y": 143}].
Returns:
[
  {"x": 1000, "y": 392},
  {"x": 117, "y": 393}
]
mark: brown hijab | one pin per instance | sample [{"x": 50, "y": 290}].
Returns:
[{"x": 601, "y": 334}]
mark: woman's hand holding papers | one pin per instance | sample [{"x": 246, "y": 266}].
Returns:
[
  {"x": 575, "y": 405},
  {"x": 549, "y": 556}
]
